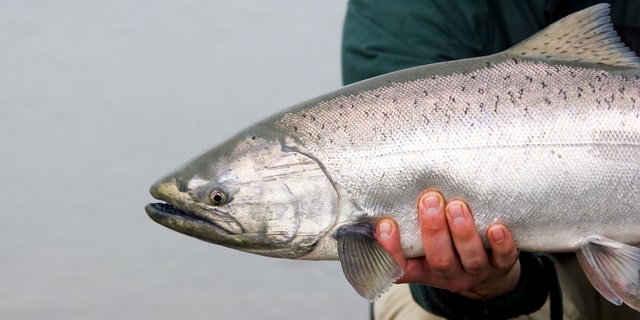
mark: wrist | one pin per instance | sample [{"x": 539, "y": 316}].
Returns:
[{"x": 530, "y": 293}]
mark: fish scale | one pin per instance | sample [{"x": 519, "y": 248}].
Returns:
[{"x": 543, "y": 138}]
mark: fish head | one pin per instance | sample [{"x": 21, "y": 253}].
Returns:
[{"x": 257, "y": 193}]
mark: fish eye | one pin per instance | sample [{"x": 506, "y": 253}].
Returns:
[{"x": 217, "y": 197}]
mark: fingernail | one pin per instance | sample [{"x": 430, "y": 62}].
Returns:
[
  {"x": 456, "y": 214},
  {"x": 432, "y": 205},
  {"x": 498, "y": 235},
  {"x": 384, "y": 230}
]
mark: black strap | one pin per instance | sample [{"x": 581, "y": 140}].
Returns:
[{"x": 555, "y": 292}]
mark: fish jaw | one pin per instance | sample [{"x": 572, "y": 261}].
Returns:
[{"x": 258, "y": 193}]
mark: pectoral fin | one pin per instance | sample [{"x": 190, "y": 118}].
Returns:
[
  {"x": 613, "y": 268},
  {"x": 367, "y": 265}
]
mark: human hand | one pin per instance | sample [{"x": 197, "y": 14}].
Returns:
[{"x": 455, "y": 258}]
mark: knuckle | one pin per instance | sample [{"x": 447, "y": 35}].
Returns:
[
  {"x": 463, "y": 233},
  {"x": 474, "y": 265},
  {"x": 441, "y": 264}
]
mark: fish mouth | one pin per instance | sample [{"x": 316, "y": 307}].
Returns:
[{"x": 189, "y": 223}]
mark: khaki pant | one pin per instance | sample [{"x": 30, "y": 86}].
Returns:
[{"x": 580, "y": 300}]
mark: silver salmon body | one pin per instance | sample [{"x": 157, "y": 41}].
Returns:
[{"x": 543, "y": 137}]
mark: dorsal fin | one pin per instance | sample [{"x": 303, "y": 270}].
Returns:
[{"x": 585, "y": 36}]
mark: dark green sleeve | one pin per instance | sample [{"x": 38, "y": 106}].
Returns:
[{"x": 381, "y": 36}]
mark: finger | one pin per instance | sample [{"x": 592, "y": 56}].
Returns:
[
  {"x": 388, "y": 236},
  {"x": 436, "y": 240},
  {"x": 466, "y": 239},
  {"x": 503, "y": 247}
]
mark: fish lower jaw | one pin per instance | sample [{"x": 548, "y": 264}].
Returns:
[{"x": 173, "y": 217}]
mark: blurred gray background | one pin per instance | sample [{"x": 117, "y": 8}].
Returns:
[{"x": 100, "y": 98}]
